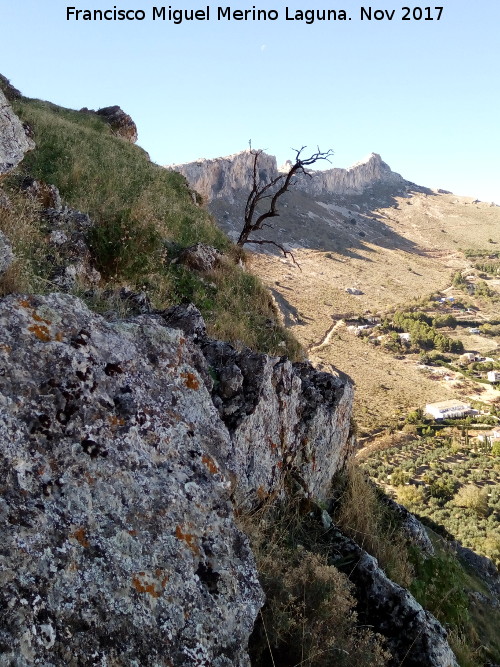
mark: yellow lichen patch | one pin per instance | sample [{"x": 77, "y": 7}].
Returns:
[
  {"x": 40, "y": 331},
  {"x": 210, "y": 464},
  {"x": 190, "y": 380},
  {"x": 116, "y": 421},
  {"x": 189, "y": 539},
  {"x": 153, "y": 585},
  {"x": 80, "y": 535}
]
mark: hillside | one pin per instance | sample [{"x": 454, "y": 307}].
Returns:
[
  {"x": 178, "y": 484},
  {"x": 364, "y": 228}
]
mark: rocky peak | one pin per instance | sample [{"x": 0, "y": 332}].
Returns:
[{"x": 226, "y": 177}]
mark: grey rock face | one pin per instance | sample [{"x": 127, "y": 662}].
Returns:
[
  {"x": 67, "y": 234},
  {"x": 284, "y": 419},
  {"x": 118, "y": 541},
  {"x": 6, "y": 254},
  {"x": 227, "y": 177},
  {"x": 413, "y": 528},
  {"x": 13, "y": 140},
  {"x": 414, "y": 636},
  {"x": 187, "y": 317}
]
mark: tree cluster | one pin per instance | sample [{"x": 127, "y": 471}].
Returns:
[{"x": 423, "y": 334}]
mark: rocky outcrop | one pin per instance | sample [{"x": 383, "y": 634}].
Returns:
[
  {"x": 200, "y": 257},
  {"x": 14, "y": 142},
  {"x": 116, "y": 472},
  {"x": 226, "y": 177},
  {"x": 286, "y": 420},
  {"x": 11, "y": 93},
  {"x": 118, "y": 542},
  {"x": 414, "y": 636},
  {"x": 413, "y": 529},
  {"x": 121, "y": 123},
  {"x": 71, "y": 258}
]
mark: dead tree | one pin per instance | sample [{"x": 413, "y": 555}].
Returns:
[{"x": 273, "y": 190}]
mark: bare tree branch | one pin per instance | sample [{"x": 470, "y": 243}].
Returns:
[
  {"x": 283, "y": 250},
  {"x": 273, "y": 190}
]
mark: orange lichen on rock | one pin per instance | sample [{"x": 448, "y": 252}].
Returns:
[
  {"x": 80, "y": 535},
  {"x": 210, "y": 464},
  {"x": 146, "y": 583},
  {"x": 116, "y": 421},
  {"x": 40, "y": 331},
  {"x": 188, "y": 538},
  {"x": 190, "y": 380},
  {"x": 37, "y": 318}
]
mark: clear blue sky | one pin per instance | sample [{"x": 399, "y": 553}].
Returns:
[{"x": 423, "y": 94}]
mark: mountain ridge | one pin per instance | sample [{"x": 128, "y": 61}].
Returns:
[{"x": 223, "y": 177}]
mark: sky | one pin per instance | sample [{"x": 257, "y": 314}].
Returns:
[{"x": 425, "y": 94}]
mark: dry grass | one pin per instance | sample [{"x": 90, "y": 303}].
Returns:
[
  {"x": 19, "y": 221},
  {"x": 362, "y": 516},
  {"x": 309, "y": 618}
]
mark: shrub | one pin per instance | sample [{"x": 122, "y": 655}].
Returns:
[
  {"x": 438, "y": 586},
  {"x": 411, "y": 496},
  {"x": 309, "y": 617},
  {"x": 472, "y": 497}
]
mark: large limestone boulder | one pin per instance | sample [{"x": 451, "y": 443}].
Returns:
[
  {"x": 14, "y": 142},
  {"x": 118, "y": 540},
  {"x": 122, "y": 445}
]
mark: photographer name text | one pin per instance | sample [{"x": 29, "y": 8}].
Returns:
[{"x": 222, "y": 14}]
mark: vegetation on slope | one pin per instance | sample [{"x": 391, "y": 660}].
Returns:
[
  {"x": 448, "y": 482},
  {"x": 144, "y": 216}
]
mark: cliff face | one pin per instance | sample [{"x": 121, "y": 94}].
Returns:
[
  {"x": 119, "y": 453},
  {"x": 223, "y": 178}
]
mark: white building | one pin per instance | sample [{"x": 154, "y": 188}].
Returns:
[
  {"x": 493, "y": 376},
  {"x": 452, "y": 409}
]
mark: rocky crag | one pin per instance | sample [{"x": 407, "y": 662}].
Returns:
[
  {"x": 126, "y": 447},
  {"x": 225, "y": 178},
  {"x": 319, "y": 211}
]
